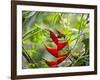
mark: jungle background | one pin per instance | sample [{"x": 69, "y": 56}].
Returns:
[{"x": 35, "y": 33}]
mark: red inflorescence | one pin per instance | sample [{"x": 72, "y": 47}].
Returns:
[{"x": 54, "y": 51}]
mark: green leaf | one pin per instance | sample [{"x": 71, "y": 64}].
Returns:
[
  {"x": 81, "y": 62},
  {"x": 86, "y": 42}
]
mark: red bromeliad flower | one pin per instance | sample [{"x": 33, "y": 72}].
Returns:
[{"x": 54, "y": 51}]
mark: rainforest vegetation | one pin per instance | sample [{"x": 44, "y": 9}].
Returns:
[{"x": 54, "y": 39}]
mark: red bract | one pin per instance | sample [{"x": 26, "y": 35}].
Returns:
[
  {"x": 54, "y": 37},
  {"x": 61, "y": 44},
  {"x": 51, "y": 63},
  {"x": 52, "y": 51},
  {"x": 61, "y": 59},
  {"x": 64, "y": 54},
  {"x": 56, "y": 62}
]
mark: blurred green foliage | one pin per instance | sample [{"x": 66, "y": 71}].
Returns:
[{"x": 75, "y": 27}]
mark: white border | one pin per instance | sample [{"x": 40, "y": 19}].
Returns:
[{"x": 21, "y": 71}]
